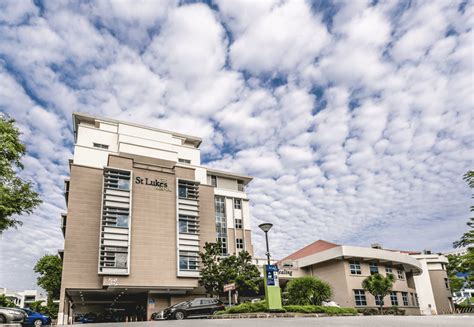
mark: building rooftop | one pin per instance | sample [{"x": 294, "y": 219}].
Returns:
[
  {"x": 315, "y": 247},
  {"x": 78, "y": 117}
]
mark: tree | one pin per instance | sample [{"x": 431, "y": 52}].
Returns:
[
  {"x": 49, "y": 268},
  {"x": 211, "y": 278},
  {"x": 16, "y": 195},
  {"x": 241, "y": 271},
  {"x": 379, "y": 286},
  {"x": 6, "y": 302},
  {"x": 217, "y": 271},
  {"x": 307, "y": 290},
  {"x": 467, "y": 239}
]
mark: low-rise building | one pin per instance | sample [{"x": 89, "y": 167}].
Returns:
[
  {"x": 432, "y": 284},
  {"x": 24, "y": 298},
  {"x": 345, "y": 267}
]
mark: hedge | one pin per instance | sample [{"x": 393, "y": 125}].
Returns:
[
  {"x": 247, "y": 307},
  {"x": 319, "y": 309},
  {"x": 262, "y": 307}
]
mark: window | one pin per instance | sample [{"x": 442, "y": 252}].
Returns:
[
  {"x": 188, "y": 224},
  {"x": 214, "y": 180},
  {"x": 405, "y": 298},
  {"x": 115, "y": 179},
  {"x": 378, "y": 300},
  {"x": 238, "y": 223},
  {"x": 355, "y": 267},
  {"x": 121, "y": 260},
  {"x": 186, "y": 161},
  {"x": 393, "y": 298},
  {"x": 412, "y": 299},
  {"x": 221, "y": 224},
  {"x": 237, "y": 204},
  {"x": 416, "y": 300},
  {"x": 240, "y": 186},
  {"x": 188, "y": 260},
  {"x": 122, "y": 221},
  {"x": 388, "y": 270},
  {"x": 400, "y": 274},
  {"x": 240, "y": 243},
  {"x": 188, "y": 190},
  {"x": 446, "y": 283},
  {"x": 360, "y": 299},
  {"x": 101, "y": 146},
  {"x": 374, "y": 268}
]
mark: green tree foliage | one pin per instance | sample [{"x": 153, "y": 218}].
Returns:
[
  {"x": 6, "y": 302},
  {"x": 16, "y": 195},
  {"x": 463, "y": 264},
  {"x": 307, "y": 291},
  {"x": 217, "y": 271},
  {"x": 467, "y": 239},
  {"x": 211, "y": 278},
  {"x": 49, "y": 268},
  {"x": 379, "y": 286},
  {"x": 241, "y": 271}
]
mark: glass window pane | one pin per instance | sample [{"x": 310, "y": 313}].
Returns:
[
  {"x": 124, "y": 184},
  {"x": 122, "y": 221}
]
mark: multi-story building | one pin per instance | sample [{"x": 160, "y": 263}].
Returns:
[
  {"x": 345, "y": 267},
  {"x": 24, "y": 298},
  {"x": 140, "y": 207},
  {"x": 432, "y": 284}
]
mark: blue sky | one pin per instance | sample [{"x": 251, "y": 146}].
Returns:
[{"x": 354, "y": 117}]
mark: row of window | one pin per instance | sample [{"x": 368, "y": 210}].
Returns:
[
  {"x": 355, "y": 269},
  {"x": 361, "y": 299}
]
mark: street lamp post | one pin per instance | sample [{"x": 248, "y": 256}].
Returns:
[
  {"x": 266, "y": 227},
  {"x": 270, "y": 275}
]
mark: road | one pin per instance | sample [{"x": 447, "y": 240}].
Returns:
[{"x": 362, "y": 321}]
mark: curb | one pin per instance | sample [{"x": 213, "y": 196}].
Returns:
[{"x": 275, "y": 315}]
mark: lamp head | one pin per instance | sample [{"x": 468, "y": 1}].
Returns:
[{"x": 265, "y": 227}]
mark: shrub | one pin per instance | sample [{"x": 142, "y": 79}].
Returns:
[
  {"x": 248, "y": 307},
  {"x": 319, "y": 309},
  {"x": 307, "y": 291},
  {"x": 369, "y": 311}
]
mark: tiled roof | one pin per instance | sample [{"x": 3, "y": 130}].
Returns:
[{"x": 315, "y": 247}]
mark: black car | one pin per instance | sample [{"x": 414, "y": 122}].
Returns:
[{"x": 196, "y": 308}]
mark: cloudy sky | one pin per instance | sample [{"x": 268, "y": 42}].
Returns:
[{"x": 355, "y": 117}]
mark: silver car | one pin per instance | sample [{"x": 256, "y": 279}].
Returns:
[{"x": 11, "y": 315}]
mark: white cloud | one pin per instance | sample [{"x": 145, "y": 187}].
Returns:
[{"x": 286, "y": 38}]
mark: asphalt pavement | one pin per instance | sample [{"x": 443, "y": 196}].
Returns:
[{"x": 359, "y": 321}]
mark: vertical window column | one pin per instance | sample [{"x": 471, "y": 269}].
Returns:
[
  {"x": 188, "y": 227},
  {"x": 221, "y": 223},
  {"x": 115, "y": 223}
]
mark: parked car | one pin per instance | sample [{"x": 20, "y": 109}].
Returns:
[
  {"x": 196, "y": 308},
  {"x": 36, "y": 319},
  {"x": 12, "y": 315},
  {"x": 89, "y": 317}
]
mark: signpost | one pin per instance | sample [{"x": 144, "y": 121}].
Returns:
[
  {"x": 229, "y": 288},
  {"x": 272, "y": 288}
]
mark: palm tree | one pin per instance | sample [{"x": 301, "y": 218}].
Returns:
[{"x": 379, "y": 286}]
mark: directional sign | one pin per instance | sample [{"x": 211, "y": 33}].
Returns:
[{"x": 229, "y": 287}]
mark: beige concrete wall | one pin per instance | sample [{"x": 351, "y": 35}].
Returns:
[
  {"x": 442, "y": 295},
  {"x": 81, "y": 245},
  {"x": 227, "y": 183},
  {"x": 207, "y": 215},
  {"x": 153, "y": 255},
  {"x": 337, "y": 274}
]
